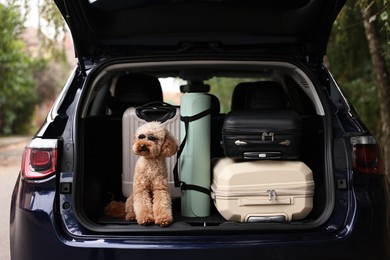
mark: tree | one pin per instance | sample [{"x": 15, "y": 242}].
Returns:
[
  {"x": 381, "y": 72},
  {"x": 356, "y": 54},
  {"x": 28, "y": 79},
  {"x": 349, "y": 59},
  {"x": 17, "y": 94},
  {"x": 50, "y": 23}
]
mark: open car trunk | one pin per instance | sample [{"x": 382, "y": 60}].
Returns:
[{"x": 101, "y": 159}]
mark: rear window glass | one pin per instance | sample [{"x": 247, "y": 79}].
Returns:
[
  {"x": 114, "y": 5},
  {"x": 222, "y": 87}
]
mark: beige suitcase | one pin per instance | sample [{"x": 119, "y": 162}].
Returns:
[
  {"x": 130, "y": 122},
  {"x": 262, "y": 191}
]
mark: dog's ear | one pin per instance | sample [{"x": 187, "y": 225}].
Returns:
[{"x": 170, "y": 146}]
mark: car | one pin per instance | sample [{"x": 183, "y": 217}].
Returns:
[{"x": 238, "y": 61}]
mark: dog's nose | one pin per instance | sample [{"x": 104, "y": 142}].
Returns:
[{"x": 143, "y": 147}]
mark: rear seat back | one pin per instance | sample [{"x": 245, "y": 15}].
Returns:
[
  {"x": 216, "y": 124},
  {"x": 134, "y": 90},
  {"x": 259, "y": 95},
  {"x": 259, "y": 122}
]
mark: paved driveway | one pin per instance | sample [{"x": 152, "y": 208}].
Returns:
[{"x": 11, "y": 150}]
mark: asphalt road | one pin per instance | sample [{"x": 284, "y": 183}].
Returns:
[{"x": 10, "y": 159}]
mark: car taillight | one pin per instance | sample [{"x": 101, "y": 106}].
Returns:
[
  {"x": 39, "y": 158},
  {"x": 366, "y": 155}
]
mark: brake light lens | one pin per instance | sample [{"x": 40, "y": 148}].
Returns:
[
  {"x": 39, "y": 158},
  {"x": 366, "y": 155}
]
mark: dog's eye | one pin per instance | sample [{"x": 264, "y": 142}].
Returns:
[
  {"x": 141, "y": 136},
  {"x": 152, "y": 138}
]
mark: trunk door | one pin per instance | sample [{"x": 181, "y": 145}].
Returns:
[{"x": 108, "y": 28}]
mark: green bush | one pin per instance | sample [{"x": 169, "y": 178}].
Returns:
[{"x": 17, "y": 87}]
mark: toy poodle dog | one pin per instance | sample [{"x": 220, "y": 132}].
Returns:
[{"x": 150, "y": 200}]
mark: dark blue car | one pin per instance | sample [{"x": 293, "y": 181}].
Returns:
[{"x": 141, "y": 60}]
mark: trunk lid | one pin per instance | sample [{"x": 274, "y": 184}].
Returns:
[{"x": 108, "y": 28}]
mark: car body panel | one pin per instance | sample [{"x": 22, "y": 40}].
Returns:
[
  {"x": 102, "y": 28},
  {"x": 58, "y": 217},
  {"x": 43, "y": 214},
  {"x": 33, "y": 215}
]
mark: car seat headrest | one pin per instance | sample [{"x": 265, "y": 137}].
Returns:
[
  {"x": 258, "y": 95},
  {"x": 135, "y": 90}
]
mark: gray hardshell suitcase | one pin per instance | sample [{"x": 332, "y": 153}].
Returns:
[{"x": 131, "y": 120}]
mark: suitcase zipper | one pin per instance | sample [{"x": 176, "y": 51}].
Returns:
[{"x": 270, "y": 192}]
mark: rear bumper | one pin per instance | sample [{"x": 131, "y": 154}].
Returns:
[{"x": 36, "y": 233}]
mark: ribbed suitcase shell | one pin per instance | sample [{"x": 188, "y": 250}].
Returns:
[
  {"x": 249, "y": 191},
  {"x": 130, "y": 123}
]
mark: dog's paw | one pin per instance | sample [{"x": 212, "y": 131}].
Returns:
[
  {"x": 115, "y": 209},
  {"x": 130, "y": 217},
  {"x": 163, "y": 222},
  {"x": 146, "y": 221}
]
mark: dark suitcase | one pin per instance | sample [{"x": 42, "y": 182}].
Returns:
[{"x": 262, "y": 135}]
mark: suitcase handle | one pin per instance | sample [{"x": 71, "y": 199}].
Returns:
[
  {"x": 262, "y": 155},
  {"x": 285, "y": 142},
  {"x": 258, "y": 202},
  {"x": 156, "y": 111}
]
